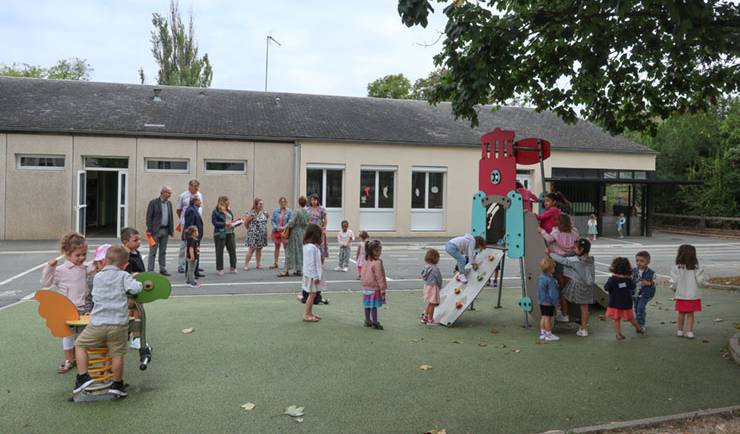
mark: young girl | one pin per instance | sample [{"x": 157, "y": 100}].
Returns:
[
  {"x": 462, "y": 249},
  {"x": 620, "y": 287},
  {"x": 432, "y": 282},
  {"x": 549, "y": 218},
  {"x": 621, "y": 221},
  {"x": 360, "y": 255},
  {"x": 192, "y": 244},
  {"x": 70, "y": 280},
  {"x": 593, "y": 229},
  {"x": 312, "y": 282},
  {"x": 548, "y": 296},
  {"x": 581, "y": 271},
  {"x": 687, "y": 278},
  {"x": 561, "y": 241},
  {"x": 527, "y": 196},
  {"x": 373, "y": 284}
]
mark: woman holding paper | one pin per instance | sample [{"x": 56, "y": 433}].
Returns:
[{"x": 223, "y": 234}]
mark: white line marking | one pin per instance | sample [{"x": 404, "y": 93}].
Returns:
[
  {"x": 13, "y": 304},
  {"x": 29, "y": 252},
  {"x": 30, "y": 270},
  {"x": 621, "y": 241}
]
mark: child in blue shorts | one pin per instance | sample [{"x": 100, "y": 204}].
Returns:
[
  {"x": 644, "y": 278},
  {"x": 548, "y": 296}
]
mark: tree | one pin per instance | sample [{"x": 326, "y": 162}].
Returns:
[
  {"x": 65, "y": 69},
  {"x": 424, "y": 88},
  {"x": 176, "y": 52},
  {"x": 395, "y": 86},
  {"x": 622, "y": 64}
]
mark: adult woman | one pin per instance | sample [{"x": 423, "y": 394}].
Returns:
[
  {"x": 317, "y": 216},
  {"x": 280, "y": 218},
  {"x": 223, "y": 234},
  {"x": 294, "y": 249},
  {"x": 256, "y": 221}
]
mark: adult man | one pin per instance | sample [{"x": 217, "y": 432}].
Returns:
[
  {"x": 160, "y": 224},
  {"x": 182, "y": 204}
]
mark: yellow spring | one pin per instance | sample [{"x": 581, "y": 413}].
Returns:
[{"x": 99, "y": 364}]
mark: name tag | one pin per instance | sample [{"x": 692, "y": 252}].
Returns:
[{"x": 622, "y": 285}]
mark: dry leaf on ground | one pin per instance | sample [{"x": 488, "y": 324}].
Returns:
[
  {"x": 436, "y": 431},
  {"x": 494, "y": 331},
  {"x": 718, "y": 320},
  {"x": 299, "y": 419},
  {"x": 294, "y": 411},
  {"x": 248, "y": 406},
  {"x": 457, "y": 342},
  {"x": 482, "y": 344},
  {"x": 425, "y": 367},
  {"x": 188, "y": 330}
]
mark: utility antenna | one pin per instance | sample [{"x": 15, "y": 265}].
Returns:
[{"x": 267, "y": 54}]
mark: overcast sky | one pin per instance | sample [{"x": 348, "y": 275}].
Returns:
[{"x": 333, "y": 47}]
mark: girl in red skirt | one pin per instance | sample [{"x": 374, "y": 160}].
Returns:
[
  {"x": 620, "y": 287},
  {"x": 686, "y": 281}
]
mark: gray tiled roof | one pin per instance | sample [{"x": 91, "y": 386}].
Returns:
[{"x": 34, "y": 105}]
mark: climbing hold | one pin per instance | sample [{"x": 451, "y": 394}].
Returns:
[
  {"x": 491, "y": 258},
  {"x": 481, "y": 277},
  {"x": 457, "y": 290},
  {"x": 474, "y": 266},
  {"x": 458, "y": 305},
  {"x": 526, "y": 304}
]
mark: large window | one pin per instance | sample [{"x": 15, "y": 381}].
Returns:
[
  {"x": 427, "y": 190},
  {"x": 169, "y": 165},
  {"x": 327, "y": 184},
  {"x": 377, "y": 189},
  {"x": 42, "y": 162}
]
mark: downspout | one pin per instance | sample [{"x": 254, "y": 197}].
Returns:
[{"x": 296, "y": 170}]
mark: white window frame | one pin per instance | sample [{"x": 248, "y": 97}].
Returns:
[
  {"x": 377, "y": 170},
  {"x": 224, "y": 172},
  {"x": 426, "y": 171},
  {"x": 148, "y": 159},
  {"x": 324, "y": 168},
  {"x": 18, "y": 165}
]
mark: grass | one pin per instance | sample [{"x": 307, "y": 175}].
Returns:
[{"x": 353, "y": 379}]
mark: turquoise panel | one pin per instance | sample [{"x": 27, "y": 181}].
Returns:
[
  {"x": 478, "y": 223},
  {"x": 515, "y": 225}
]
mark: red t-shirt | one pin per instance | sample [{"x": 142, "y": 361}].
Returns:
[{"x": 549, "y": 218}]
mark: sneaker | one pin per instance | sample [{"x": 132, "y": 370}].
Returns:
[
  {"x": 220, "y": 272},
  {"x": 423, "y": 320},
  {"x": 679, "y": 333},
  {"x": 641, "y": 330},
  {"x": 118, "y": 389},
  {"x": 135, "y": 343},
  {"x": 377, "y": 326},
  {"x": 180, "y": 270},
  {"x": 562, "y": 318},
  {"x": 194, "y": 284},
  {"x": 582, "y": 333},
  {"x": 368, "y": 323},
  {"x": 345, "y": 269},
  {"x": 338, "y": 269},
  {"x": 81, "y": 382},
  {"x": 542, "y": 335},
  {"x": 232, "y": 271},
  {"x": 690, "y": 335},
  {"x": 549, "y": 337},
  {"x": 164, "y": 273},
  {"x": 461, "y": 278},
  {"x": 432, "y": 322},
  {"x": 620, "y": 337}
]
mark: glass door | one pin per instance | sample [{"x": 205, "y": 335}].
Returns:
[
  {"x": 122, "y": 217},
  {"x": 81, "y": 202}
]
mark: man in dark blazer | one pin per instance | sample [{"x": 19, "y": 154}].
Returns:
[{"x": 160, "y": 224}]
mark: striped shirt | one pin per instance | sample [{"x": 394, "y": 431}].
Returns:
[{"x": 110, "y": 303}]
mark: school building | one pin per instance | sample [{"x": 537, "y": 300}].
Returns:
[{"x": 89, "y": 156}]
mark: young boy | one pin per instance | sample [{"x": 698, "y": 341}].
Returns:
[
  {"x": 644, "y": 278},
  {"x": 131, "y": 239},
  {"x": 192, "y": 253},
  {"x": 548, "y": 295},
  {"x": 109, "y": 319},
  {"x": 345, "y": 238}
]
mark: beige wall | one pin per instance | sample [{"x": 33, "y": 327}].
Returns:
[
  {"x": 38, "y": 203},
  {"x": 3, "y": 162}
]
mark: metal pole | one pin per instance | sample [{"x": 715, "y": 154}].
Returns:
[
  {"x": 267, "y": 56},
  {"x": 524, "y": 290},
  {"x": 542, "y": 165},
  {"x": 500, "y": 280}
]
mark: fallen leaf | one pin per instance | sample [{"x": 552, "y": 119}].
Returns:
[
  {"x": 248, "y": 406},
  {"x": 718, "y": 320},
  {"x": 299, "y": 419},
  {"x": 294, "y": 411},
  {"x": 457, "y": 342},
  {"x": 436, "y": 431},
  {"x": 502, "y": 346},
  {"x": 482, "y": 344},
  {"x": 416, "y": 341},
  {"x": 602, "y": 318},
  {"x": 737, "y": 325},
  {"x": 425, "y": 367},
  {"x": 515, "y": 351},
  {"x": 706, "y": 341},
  {"x": 494, "y": 331},
  {"x": 662, "y": 322},
  {"x": 188, "y": 331}
]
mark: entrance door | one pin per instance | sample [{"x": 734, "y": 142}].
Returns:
[
  {"x": 81, "y": 203},
  {"x": 122, "y": 216}
]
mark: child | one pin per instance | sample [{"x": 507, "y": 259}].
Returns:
[
  {"x": 621, "y": 221},
  {"x": 131, "y": 240},
  {"x": 644, "y": 278},
  {"x": 548, "y": 295},
  {"x": 432, "y": 282},
  {"x": 687, "y": 278},
  {"x": 360, "y": 255},
  {"x": 620, "y": 287},
  {"x": 109, "y": 319},
  {"x": 462, "y": 249},
  {"x": 97, "y": 264},
  {"x": 70, "y": 280},
  {"x": 593, "y": 227},
  {"x": 561, "y": 241},
  {"x": 527, "y": 196},
  {"x": 549, "y": 218},
  {"x": 192, "y": 245},
  {"x": 373, "y": 284},
  {"x": 345, "y": 238},
  {"x": 312, "y": 282},
  {"x": 580, "y": 270}
]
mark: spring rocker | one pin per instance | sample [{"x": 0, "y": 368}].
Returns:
[
  {"x": 63, "y": 320},
  {"x": 498, "y": 214}
]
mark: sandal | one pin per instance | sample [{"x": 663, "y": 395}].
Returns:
[
  {"x": 283, "y": 274},
  {"x": 66, "y": 366},
  {"x": 311, "y": 319},
  {"x": 245, "y": 268},
  {"x": 273, "y": 266}
]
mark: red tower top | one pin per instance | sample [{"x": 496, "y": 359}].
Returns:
[{"x": 497, "y": 166}]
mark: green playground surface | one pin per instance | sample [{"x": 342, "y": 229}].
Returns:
[{"x": 488, "y": 373}]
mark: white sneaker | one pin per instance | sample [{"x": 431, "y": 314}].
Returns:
[
  {"x": 690, "y": 335},
  {"x": 582, "y": 333},
  {"x": 462, "y": 278},
  {"x": 543, "y": 335},
  {"x": 562, "y": 318},
  {"x": 135, "y": 343},
  {"x": 679, "y": 333},
  {"x": 549, "y": 337},
  {"x": 338, "y": 269},
  {"x": 345, "y": 269}
]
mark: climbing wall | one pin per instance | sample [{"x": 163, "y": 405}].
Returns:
[{"x": 455, "y": 297}]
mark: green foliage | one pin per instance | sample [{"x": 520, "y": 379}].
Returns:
[
  {"x": 395, "y": 86},
  {"x": 176, "y": 52},
  {"x": 64, "y": 69},
  {"x": 622, "y": 64}
]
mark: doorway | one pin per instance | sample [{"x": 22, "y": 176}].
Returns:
[{"x": 102, "y": 197}]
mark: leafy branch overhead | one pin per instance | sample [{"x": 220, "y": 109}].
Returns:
[{"x": 623, "y": 64}]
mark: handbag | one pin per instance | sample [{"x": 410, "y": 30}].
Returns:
[{"x": 285, "y": 233}]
